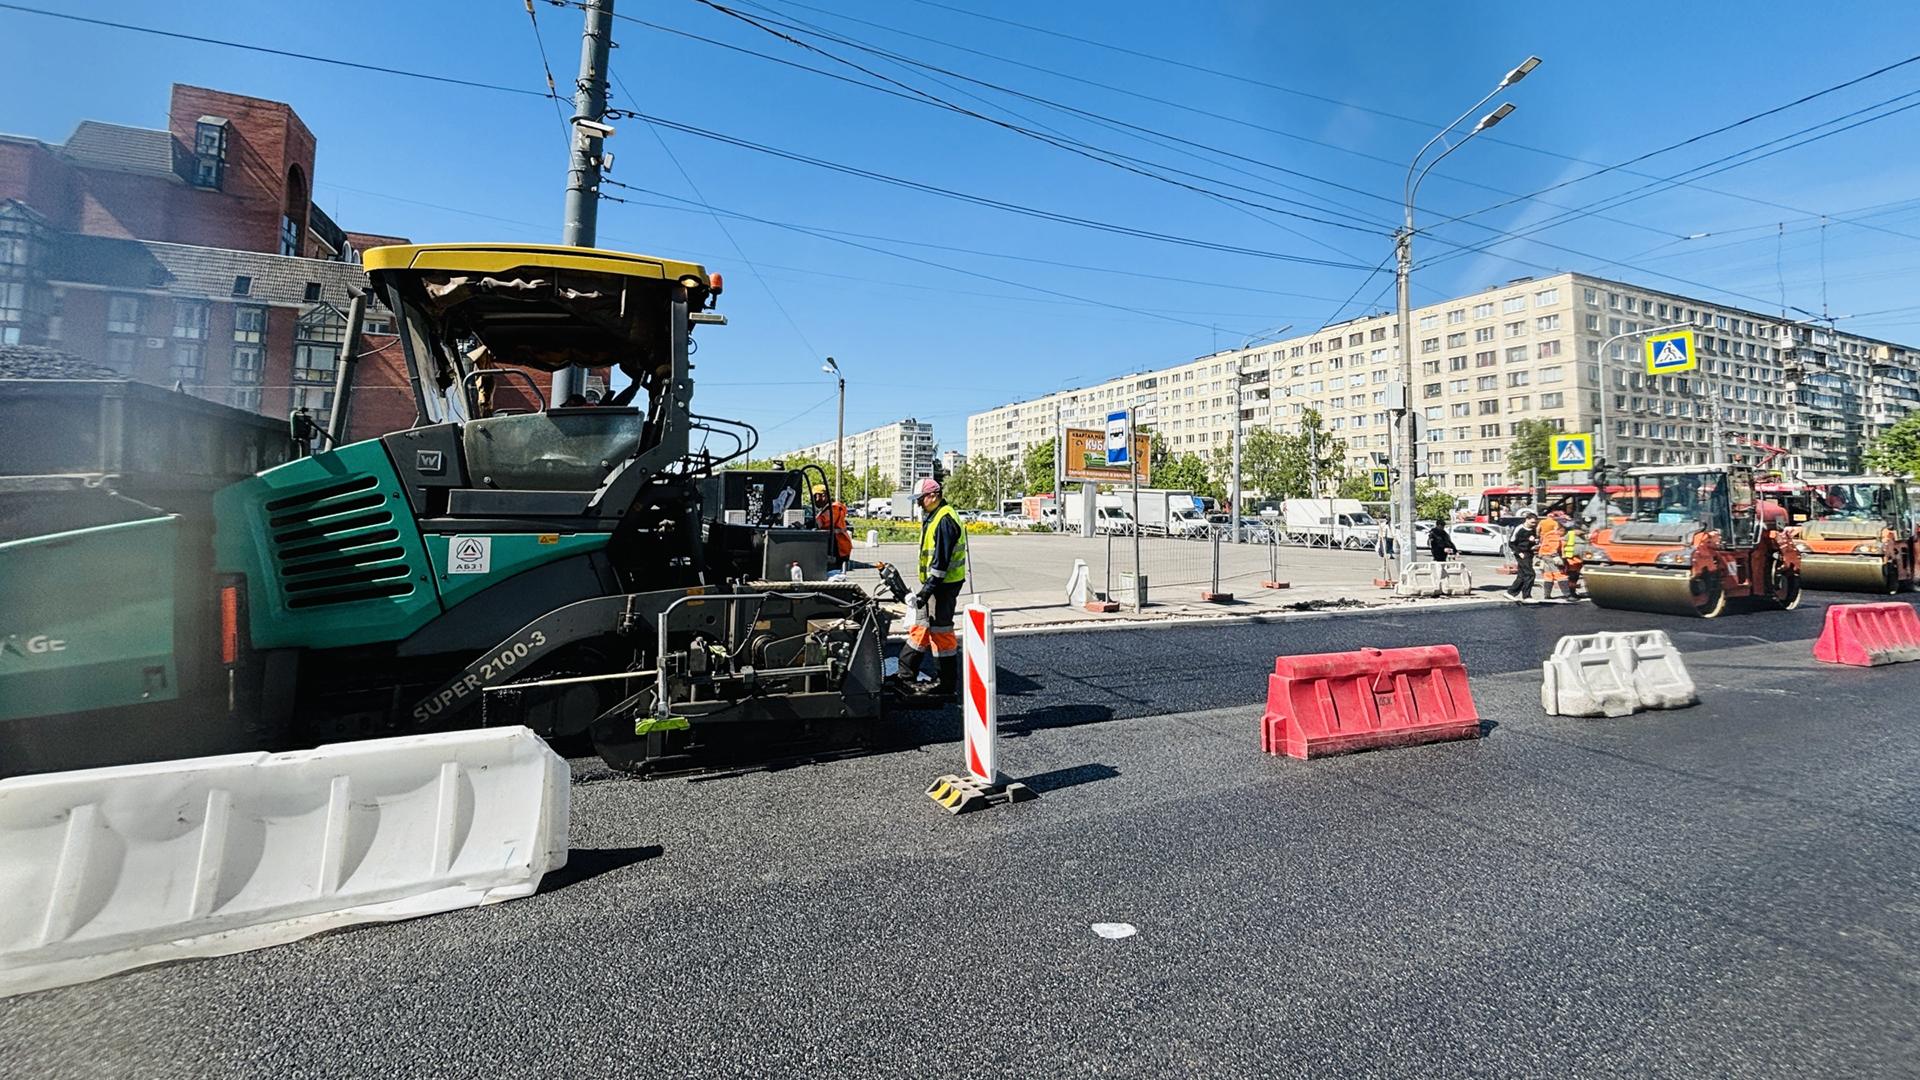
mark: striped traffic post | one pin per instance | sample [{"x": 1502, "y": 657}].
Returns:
[
  {"x": 979, "y": 705},
  {"x": 980, "y": 786}
]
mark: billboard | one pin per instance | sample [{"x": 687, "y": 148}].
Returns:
[{"x": 1087, "y": 457}]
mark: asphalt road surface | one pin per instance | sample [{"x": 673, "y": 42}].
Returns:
[{"x": 1728, "y": 890}]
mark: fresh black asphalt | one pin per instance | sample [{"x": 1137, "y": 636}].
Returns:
[{"x": 1728, "y": 890}]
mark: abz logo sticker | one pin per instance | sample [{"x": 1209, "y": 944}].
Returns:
[{"x": 470, "y": 555}]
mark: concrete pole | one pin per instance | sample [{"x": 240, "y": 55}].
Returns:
[
  {"x": 1059, "y": 470},
  {"x": 840, "y": 443},
  {"x": 583, "y": 165},
  {"x": 1409, "y": 463},
  {"x": 1236, "y": 455}
]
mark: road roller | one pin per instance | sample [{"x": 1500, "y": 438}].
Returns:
[
  {"x": 1861, "y": 536},
  {"x": 1694, "y": 543}
]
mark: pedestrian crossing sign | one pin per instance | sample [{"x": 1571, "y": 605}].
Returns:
[
  {"x": 1671, "y": 353},
  {"x": 1377, "y": 479},
  {"x": 1572, "y": 452}
]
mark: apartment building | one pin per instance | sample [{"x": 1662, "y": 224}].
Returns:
[
  {"x": 1561, "y": 349},
  {"x": 902, "y": 452}
]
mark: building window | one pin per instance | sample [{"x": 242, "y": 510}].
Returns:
[
  {"x": 1549, "y": 349},
  {"x": 210, "y": 152},
  {"x": 1483, "y": 311},
  {"x": 13, "y": 310},
  {"x": 1547, "y": 322},
  {"x": 1513, "y": 303},
  {"x": 249, "y": 325},
  {"x": 1517, "y": 378},
  {"x": 245, "y": 391},
  {"x": 1546, "y": 298},
  {"x": 1552, "y": 374},
  {"x": 190, "y": 319},
  {"x": 1487, "y": 382},
  {"x": 1489, "y": 407},
  {"x": 189, "y": 361},
  {"x": 120, "y": 354},
  {"x": 1552, "y": 401},
  {"x": 1517, "y": 404},
  {"x": 123, "y": 315},
  {"x": 1517, "y": 354},
  {"x": 242, "y": 285},
  {"x": 1483, "y": 334}
]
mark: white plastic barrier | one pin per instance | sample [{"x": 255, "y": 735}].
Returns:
[
  {"x": 1454, "y": 579},
  {"x": 1419, "y": 579},
  {"x": 104, "y": 870},
  {"x": 1077, "y": 581},
  {"x": 1615, "y": 675}
]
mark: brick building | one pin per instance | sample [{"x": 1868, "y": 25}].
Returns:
[{"x": 194, "y": 257}]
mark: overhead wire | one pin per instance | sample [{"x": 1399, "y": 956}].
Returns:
[
  {"x": 1356, "y": 106},
  {"x": 722, "y": 226},
  {"x": 985, "y": 201},
  {"x": 944, "y": 266},
  {"x": 285, "y": 53},
  {"x": 1059, "y": 140},
  {"x": 553, "y": 91},
  {"x": 1095, "y": 117},
  {"x": 1724, "y": 163}
]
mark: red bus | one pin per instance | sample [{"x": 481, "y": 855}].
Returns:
[{"x": 1505, "y": 503}]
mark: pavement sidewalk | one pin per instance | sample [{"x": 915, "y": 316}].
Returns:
[{"x": 1024, "y": 577}]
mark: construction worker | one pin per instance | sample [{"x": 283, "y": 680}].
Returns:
[
  {"x": 1572, "y": 547},
  {"x": 1525, "y": 544},
  {"x": 828, "y": 514},
  {"x": 1553, "y": 529},
  {"x": 943, "y": 570}
]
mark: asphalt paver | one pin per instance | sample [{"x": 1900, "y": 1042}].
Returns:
[{"x": 1724, "y": 890}]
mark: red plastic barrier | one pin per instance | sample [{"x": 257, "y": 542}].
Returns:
[
  {"x": 1336, "y": 703},
  {"x": 1866, "y": 635}
]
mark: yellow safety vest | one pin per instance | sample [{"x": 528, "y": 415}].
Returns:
[
  {"x": 1570, "y": 548},
  {"x": 957, "y": 569}
]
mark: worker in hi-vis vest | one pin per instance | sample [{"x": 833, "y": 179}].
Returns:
[
  {"x": 828, "y": 514},
  {"x": 943, "y": 570}
]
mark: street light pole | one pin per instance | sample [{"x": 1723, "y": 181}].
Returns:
[
  {"x": 1403, "y": 274},
  {"x": 840, "y": 435}
]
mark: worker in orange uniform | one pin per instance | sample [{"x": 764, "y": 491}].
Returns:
[
  {"x": 1553, "y": 530},
  {"x": 943, "y": 571},
  {"x": 828, "y": 514}
]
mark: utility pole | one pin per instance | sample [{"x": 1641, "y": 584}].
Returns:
[
  {"x": 1059, "y": 468},
  {"x": 1236, "y": 449},
  {"x": 588, "y": 132}
]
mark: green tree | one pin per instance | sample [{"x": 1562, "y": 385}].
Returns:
[
  {"x": 1036, "y": 470},
  {"x": 963, "y": 486},
  {"x": 1359, "y": 487},
  {"x": 1897, "y": 449},
  {"x": 1532, "y": 450},
  {"x": 1431, "y": 502},
  {"x": 1185, "y": 472}
]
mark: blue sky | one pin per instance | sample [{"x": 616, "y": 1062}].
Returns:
[{"x": 1019, "y": 306}]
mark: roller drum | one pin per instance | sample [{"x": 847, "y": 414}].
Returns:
[
  {"x": 1671, "y": 592},
  {"x": 1845, "y": 573}
]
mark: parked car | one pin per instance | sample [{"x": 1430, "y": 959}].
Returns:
[{"x": 1478, "y": 538}]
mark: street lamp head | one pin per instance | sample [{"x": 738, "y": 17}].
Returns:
[
  {"x": 1494, "y": 117},
  {"x": 1526, "y": 68},
  {"x": 830, "y": 367}
]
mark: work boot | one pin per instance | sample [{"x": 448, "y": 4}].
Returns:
[
  {"x": 909, "y": 673},
  {"x": 947, "y": 686}
]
